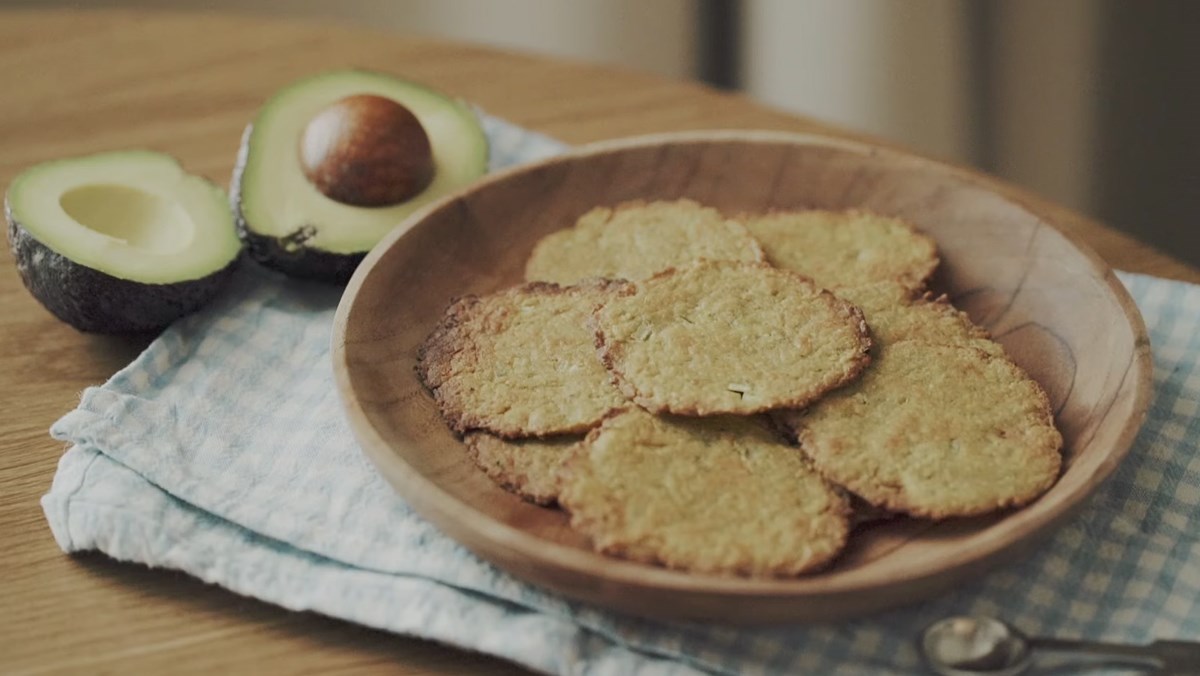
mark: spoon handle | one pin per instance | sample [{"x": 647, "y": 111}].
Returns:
[
  {"x": 1158, "y": 654},
  {"x": 1180, "y": 655}
]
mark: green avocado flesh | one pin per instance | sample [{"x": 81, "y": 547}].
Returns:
[
  {"x": 289, "y": 224},
  {"x": 121, "y": 241}
]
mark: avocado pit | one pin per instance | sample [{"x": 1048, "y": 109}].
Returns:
[{"x": 368, "y": 151}]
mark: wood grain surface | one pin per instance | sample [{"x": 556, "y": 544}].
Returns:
[
  {"x": 79, "y": 82},
  {"x": 1056, "y": 309}
]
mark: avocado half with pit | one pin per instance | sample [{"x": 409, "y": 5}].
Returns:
[
  {"x": 333, "y": 162},
  {"x": 120, "y": 242}
]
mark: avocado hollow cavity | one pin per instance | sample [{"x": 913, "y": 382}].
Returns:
[
  {"x": 120, "y": 242},
  {"x": 132, "y": 216}
]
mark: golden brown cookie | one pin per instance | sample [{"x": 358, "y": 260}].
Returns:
[
  {"x": 845, "y": 248},
  {"x": 935, "y": 431},
  {"x": 721, "y": 337},
  {"x": 527, "y": 467},
  {"x": 637, "y": 239},
  {"x": 521, "y": 362},
  {"x": 711, "y": 495},
  {"x": 894, "y": 313}
]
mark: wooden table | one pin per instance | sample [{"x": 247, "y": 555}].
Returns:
[{"x": 75, "y": 83}]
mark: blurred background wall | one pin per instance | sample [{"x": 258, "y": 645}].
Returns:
[{"x": 1092, "y": 103}]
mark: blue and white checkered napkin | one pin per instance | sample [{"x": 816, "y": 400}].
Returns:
[{"x": 222, "y": 451}]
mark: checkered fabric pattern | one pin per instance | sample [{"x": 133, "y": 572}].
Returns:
[{"x": 212, "y": 453}]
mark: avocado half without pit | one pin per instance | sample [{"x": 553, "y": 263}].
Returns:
[
  {"x": 333, "y": 162},
  {"x": 120, "y": 242}
]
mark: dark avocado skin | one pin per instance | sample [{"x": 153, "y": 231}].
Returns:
[
  {"x": 298, "y": 260},
  {"x": 289, "y": 254},
  {"x": 95, "y": 302}
]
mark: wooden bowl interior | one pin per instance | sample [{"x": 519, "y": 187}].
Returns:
[{"x": 1054, "y": 307}]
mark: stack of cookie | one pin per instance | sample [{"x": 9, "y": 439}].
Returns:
[{"x": 708, "y": 393}]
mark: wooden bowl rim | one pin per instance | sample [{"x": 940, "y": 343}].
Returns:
[{"x": 442, "y": 508}]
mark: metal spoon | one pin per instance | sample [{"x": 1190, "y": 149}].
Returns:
[{"x": 985, "y": 646}]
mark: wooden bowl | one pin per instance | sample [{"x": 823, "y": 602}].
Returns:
[{"x": 1052, "y": 303}]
